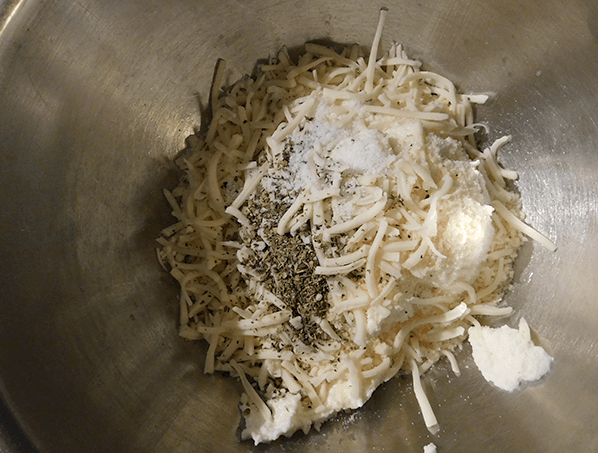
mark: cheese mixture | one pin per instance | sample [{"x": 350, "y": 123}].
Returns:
[{"x": 336, "y": 226}]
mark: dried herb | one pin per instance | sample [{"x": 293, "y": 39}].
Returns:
[{"x": 285, "y": 264}]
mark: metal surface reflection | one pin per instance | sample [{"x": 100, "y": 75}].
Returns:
[{"x": 98, "y": 97}]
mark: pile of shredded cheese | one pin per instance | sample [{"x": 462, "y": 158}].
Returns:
[{"x": 338, "y": 225}]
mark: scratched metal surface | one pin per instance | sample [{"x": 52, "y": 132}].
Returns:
[{"x": 97, "y": 97}]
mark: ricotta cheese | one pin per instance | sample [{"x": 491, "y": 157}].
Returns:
[
  {"x": 430, "y": 448},
  {"x": 507, "y": 357}
]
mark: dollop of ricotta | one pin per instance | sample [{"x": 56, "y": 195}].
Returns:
[{"x": 506, "y": 356}]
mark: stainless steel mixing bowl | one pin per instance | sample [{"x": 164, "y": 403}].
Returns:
[{"x": 96, "y": 99}]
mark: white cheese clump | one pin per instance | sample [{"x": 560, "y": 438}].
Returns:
[
  {"x": 290, "y": 414},
  {"x": 430, "y": 448},
  {"x": 507, "y": 357},
  {"x": 287, "y": 417}
]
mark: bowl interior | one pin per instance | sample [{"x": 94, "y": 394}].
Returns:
[{"x": 98, "y": 98}]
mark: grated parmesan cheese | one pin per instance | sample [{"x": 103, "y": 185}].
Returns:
[{"x": 337, "y": 226}]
